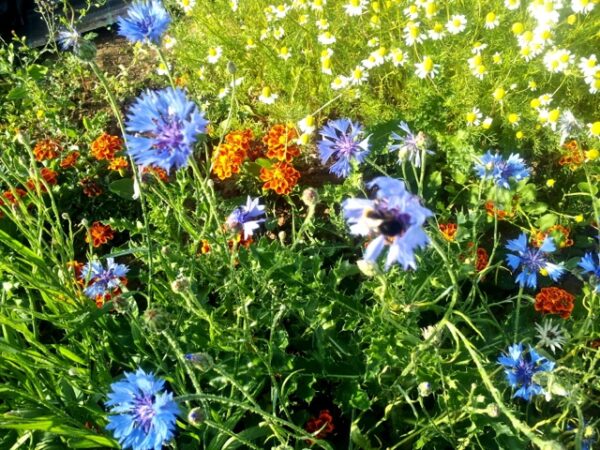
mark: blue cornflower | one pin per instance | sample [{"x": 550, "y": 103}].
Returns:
[
  {"x": 494, "y": 167},
  {"x": 165, "y": 126},
  {"x": 341, "y": 142},
  {"x": 143, "y": 414},
  {"x": 532, "y": 260},
  {"x": 520, "y": 369},
  {"x": 101, "y": 281},
  {"x": 245, "y": 218},
  {"x": 409, "y": 146},
  {"x": 69, "y": 38},
  {"x": 395, "y": 217},
  {"x": 146, "y": 21},
  {"x": 589, "y": 265}
]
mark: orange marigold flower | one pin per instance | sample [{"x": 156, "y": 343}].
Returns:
[
  {"x": 76, "y": 267},
  {"x": 105, "y": 146},
  {"x": 70, "y": 160},
  {"x": 46, "y": 149},
  {"x": 448, "y": 230},
  {"x": 90, "y": 187},
  {"x": 281, "y": 177},
  {"x": 560, "y": 234},
  {"x": 239, "y": 241},
  {"x": 228, "y": 159},
  {"x": 280, "y": 143},
  {"x": 240, "y": 138},
  {"x": 14, "y": 195},
  {"x": 493, "y": 211},
  {"x": 483, "y": 259},
  {"x": 574, "y": 156},
  {"x": 99, "y": 234},
  {"x": 118, "y": 164},
  {"x": 324, "y": 423},
  {"x": 205, "y": 248},
  {"x": 158, "y": 172},
  {"x": 553, "y": 300}
]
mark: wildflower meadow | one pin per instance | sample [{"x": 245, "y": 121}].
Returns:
[{"x": 302, "y": 224}]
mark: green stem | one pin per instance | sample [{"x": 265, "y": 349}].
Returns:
[
  {"x": 162, "y": 58},
  {"x": 136, "y": 174},
  {"x": 517, "y": 313}
]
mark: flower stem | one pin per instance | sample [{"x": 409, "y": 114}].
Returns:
[
  {"x": 136, "y": 174},
  {"x": 517, "y": 313}
]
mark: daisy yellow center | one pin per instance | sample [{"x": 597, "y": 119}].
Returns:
[
  {"x": 490, "y": 17},
  {"x": 266, "y": 92},
  {"x": 471, "y": 116},
  {"x": 427, "y": 64},
  {"x": 595, "y": 129},
  {"x": 553, "y": 115}
]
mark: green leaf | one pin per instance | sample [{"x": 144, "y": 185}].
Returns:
[
  {"x": 123, "y": 188},
  {"x": 546, "y": 221},
  {"x": 17, "y": 93},
  {"x": 360, "y": 439}
]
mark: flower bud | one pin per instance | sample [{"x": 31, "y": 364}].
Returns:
[
  {"x": 310, "y": 196},
  {"x": 196, "y": 416},
  {"x": 424, "y": 389},
  {"x": 368, "y": 268},
  {"x": 231, "y": 68},
  {"x": 156, "y": 319},
  {"x": 180, "y": 284},
  {"x": 202, "y": 361}
]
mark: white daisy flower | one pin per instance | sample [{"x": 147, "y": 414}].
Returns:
[
  {"x": 512, "y": 4},
  {"x": 373, "y": 42},
  {"x": 322, "y": 24},
  {"x": 284, "y": 53},
  {"x": 267, "y": 96},
  {"x": 358, "y": 76},
  {"x": 478, "y": 47},
  {"x": 397, "y": 57},
  {"x": 375, "y": 59},
  {"x": 278, "y": 33},
  {"x": 473, "y": 117},
  {"x": 497, "y": 58},
  {"x": 437, "y": 32},
  {"x": 280, "y": 11},
  {"x": 355, "y": 7},
  {"x": 317, "y": 5},
  {"x": 412, "y": 34},
  {"x": 187, "y": 5},
  {"x": 487, "y": 122},
  {"x": 426, "y": 68},
  {"x": 589, "y": 66},
  {"x": 339, "y": 82},
  {"x": 326, "y": 66},
  {"x": 411, "y": 12},
  {"x": 214, "y": 54},
  {"x": 307, "y": 124},
  {"x": 491, "y": 21},
  {"x": 593, "y": 82},
  {"x": 582, "y": 6},
  {"x": 558, "y": 60},
  {"x": 169, "y": 42},
  {"x": 326, "y": 38},
  {"x": 163, "y": 69},
  {"x": 456, "y": 24}
]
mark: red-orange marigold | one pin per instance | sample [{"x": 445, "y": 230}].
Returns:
[
  {"x": 228, "y": 158},
  {"x": 553, "y": 300},
  {"x": 118, "y": 164},
  {"x": 99, "y": 234},
  {"x": 70, "y": 160},
  {"x": 448, "y": 230},
  {"x": 483, "y": 259},
  {"x": 559, "y": 233},
  {"x": 280, "y": 143},
  {"x": 105, "y": 146},
  {"x": 281, "y": 177},
  {"x": 324, "y": 423},
  {"x": 46, "y": 149}
]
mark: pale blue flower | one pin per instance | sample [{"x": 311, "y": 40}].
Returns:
[
  {"x": 520, "y": 369},
  {"x": 146, "y": 21},
  {"x": 532, "y": 260},
  {"x": 245, "y": 218}
]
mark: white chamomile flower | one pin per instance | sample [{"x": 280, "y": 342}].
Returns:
[
  {"x": 397, "y": 57},
  {"x": 280, "y": 11},
  {"x": 550, "y": 336},
  {"x": 478, "y": 47},
  {"x": 456, "y": 24},
  {"x": 373, "y": 42},
  {"x": 355, "y": 7},
  {"x": 411, "y": 12},
  {"x": 339, "y": 82},
  {"x": 491, "y": 21},
  {"x": 545, "y": 99},
  {"x": 326, "y": 54},
  {"x": 326, "y": 66},
  {"x": 317, "y": 5},
  {"x": 473, "y": 117},
  {"x": 412, "y": 34},
  {"x": 594, "y": 129},
  {"x": 358, "y": 76},
  {"x": 169, "y": 42},
  {"x": 307, "y": 124},
  {"x": 582, "y": 6},
  {"x": 513, "y": 119},
  {"x": 549, "y": 118},
  {"x": 437, "y": 32},
  {"x": 512, "y": 4},
  {"x": 326, "y": 38},
  {"x": 322, "y": 24},
  {"x": 163, "y": 69},
  {"x": 250, "y": 44},
  {"x": 233, "y": 4},
  {"x": 278, "y": 33},
  {"x": 593, "y": 82},
  {"x": 375, "y": 59},
  {"x": 497, "y": 58},
  {"x": 214, "y": 54},
  {"x": 267, "y": 96},
  {"x": 223, "y": 92},
  {"x": 426, "y": 68},
  {"x": 487, "y": 122},
  {"x": 303, "y": 19},
  {"x": 589, "y": 66},
  {"x": 558, "y": 60},
  {"x": 284, "y": 53},
  {"x": 187, "y": 5},
  {"x": 201, "y": 73}
]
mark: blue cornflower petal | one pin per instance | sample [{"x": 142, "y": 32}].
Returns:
[
  {"x": 245, "y": 218},
  {"x": 341, "y": 143},
  {"x": 520, "y": 369},
  {"x": 101, "y": 281},
  {"x": 164, "y": 126},
  {"x": 146, "y": 21},
  {"x": 409, "y": 146},
  {"x": 494, "y": 167},
  {"x": 395, "y": 219},
  {"x": 142, "y": 415},
  {"x": 531, "y": 260},
  {"x": 589, "y": 265}
]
